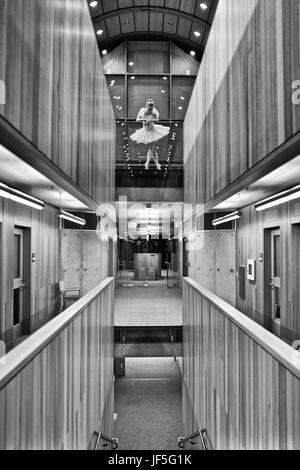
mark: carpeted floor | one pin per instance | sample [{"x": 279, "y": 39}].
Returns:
[{"x": 148, "y": 402}]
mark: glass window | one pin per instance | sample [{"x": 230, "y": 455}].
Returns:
[
  {"x": 183, "y": 63},
  {"x": 182, "y": 88},
  {"x": 151, "y": 57},
  {"x": 114, "y": 61},
  {"x": 142, "y": 88},
  {"x": 116, "y": 86},
  {"x": 176, "y": 143},
  {"x": 138, "y": 152},
  {"x": 17, "y": 256}
]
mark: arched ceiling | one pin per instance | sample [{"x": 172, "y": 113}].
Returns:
[{"x": 186, "y": 21}]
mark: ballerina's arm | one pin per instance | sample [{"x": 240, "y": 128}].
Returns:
[{"x": 141, "y": 115}]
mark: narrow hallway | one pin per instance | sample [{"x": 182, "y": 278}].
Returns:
[{"x": 148, "y": 403}]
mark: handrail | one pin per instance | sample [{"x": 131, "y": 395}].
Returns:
[
  {"x": 111, "y": 440},
  {"x": 183, "y": 440},
  {"x": 277, "y": 348},
  {"x": 19, "y": 357}
]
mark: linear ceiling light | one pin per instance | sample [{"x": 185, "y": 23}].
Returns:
[
  {"x": 227, "y": 218},
  {"x": 19, "y": 196},
  {"x": 279, "y": 199},
  {"x": 72, "y": 218}
]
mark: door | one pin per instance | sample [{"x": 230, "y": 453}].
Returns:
[
  {"x": 275, "y": 282},
  {"x": 18, "y": 285}
]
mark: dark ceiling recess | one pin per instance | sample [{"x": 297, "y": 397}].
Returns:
[{"x": 187, "y": 22}]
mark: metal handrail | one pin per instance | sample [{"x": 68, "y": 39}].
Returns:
[
  {"x": 111, "y": 440},
  {"x": 200, "y": 432}
]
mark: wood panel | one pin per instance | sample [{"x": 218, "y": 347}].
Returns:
[
  {"x": 241, "y": 383},
  {"x": 251, "y": 243},
  {"x": 42, "y": 276},
  {"x": 56, "y": 90},
  {"x": 85, "y": 259},
  {"x": 56, "y": 388},
  {"x": 212, "y": 262},
  {"x": 241, "y": 108}
]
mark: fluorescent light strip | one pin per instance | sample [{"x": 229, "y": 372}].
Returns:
[
  {"x": 278, "y": 199},
  {"x": 227, "y": 218},
  {"x": 20, "y": 197},
  {"x": 72, "y": 218}
]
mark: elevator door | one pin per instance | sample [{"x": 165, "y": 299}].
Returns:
[{"x": 275, "y": 282}]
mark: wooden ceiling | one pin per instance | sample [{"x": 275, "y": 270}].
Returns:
[{"x": 171, "y": 19}]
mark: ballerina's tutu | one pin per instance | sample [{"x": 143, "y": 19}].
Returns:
[{"x": 155, "y": 133}]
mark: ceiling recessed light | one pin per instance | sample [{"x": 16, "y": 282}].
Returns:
[
  {"x": 193, "y": 53},
  {"x": 165, "y": 78},
  {"x": 93, "y": 4},
  {"x": 197, "y": 34},
  {"x": 163, "y": 91},
  {"x": 180, "y": 107},
  {"x": 131, "y": 64},
  {"x": 104, "y": 52},
  {"x": 188, "y": 72},
  {"x": 132, "y": 78},
  {"x": 203, "y": 6},
  {"x": 99, "y": 32},
  {"x": 182, "y": 97}
]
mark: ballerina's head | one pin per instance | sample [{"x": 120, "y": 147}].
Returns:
[{"x": 150, "y": 104}]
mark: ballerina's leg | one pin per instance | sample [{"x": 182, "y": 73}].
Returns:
[
  {"x": 149, "y": 155},
  {"x": 155, "y": 157}
]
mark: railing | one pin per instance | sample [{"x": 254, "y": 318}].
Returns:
[
  {"x": 190, "y": 439},
  {"x": 240, "y": 381},
  {"x": 51, "y": 383},
  {"x": 113, "y": 441}
]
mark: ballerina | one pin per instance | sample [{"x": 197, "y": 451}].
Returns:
[{"x": 150, "y": 132}]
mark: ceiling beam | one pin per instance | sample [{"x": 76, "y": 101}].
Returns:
[
  {"x": 170, "y": 11},
  {"x": 143, "y": 34}
]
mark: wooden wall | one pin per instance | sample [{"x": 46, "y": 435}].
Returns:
[
  {"x": 56, "y": 90},
  {"x": 211, "y": 257},
  {"x": 44, "y": 273},
  {"x": 244, "y": 395},
  {"x": 85, "y": 259},
  {"x": 65, "y": 391},
  {"x": 241, "y": 107},
  {"x": 250, "y": 244}
]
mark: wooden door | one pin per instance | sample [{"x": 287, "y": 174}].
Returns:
[
  {"x": 18, "y": 285},
  {"x": 275, "y": 282}
]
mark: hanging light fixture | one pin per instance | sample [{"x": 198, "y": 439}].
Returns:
[
  {"x": 19, "y": 196},
  {"x": 278, "y": 199},
  {"x": 227, "y": 218},
  {"x": 72, "y": 218}
]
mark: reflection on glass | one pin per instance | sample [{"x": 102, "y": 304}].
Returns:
[
  {"x": 142, "y": 88},
  {"x": 17, "y": 255},
  {"x": 182, "y": 88},
  {"x": 151, "y": 57},
  {"x": 114, "y": 62},
  {"x": 116, "y": 86},
  {"x": 183, "y": 63}
]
